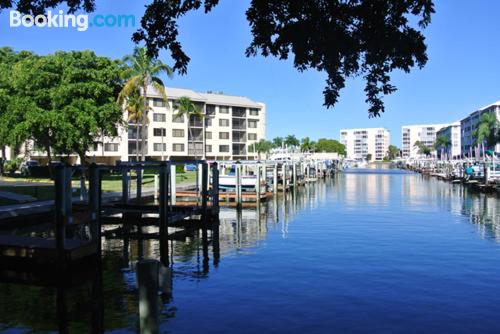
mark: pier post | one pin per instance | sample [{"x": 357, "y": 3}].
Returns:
[
  {"x": 275, "y": 179},
  {"x": 215, "y": 189},
  {"x": 163, "y": 212},
  {"x": 238, "y": 186},
  {"x": 163, "y": 197},
  {"x": 204, "y": 191},
  {"x": 156, "y": 186},
  {"x": 138, "y": 197},
  {"x": 294, "y": 174},
  {"x": 258, "y": 185},
  {"x": 95, "y": 205},
  {"x": 285, "y": 175},
  {"x": 147, "y": 283},
  {"x": 173, "y": 185},
  {"x": 63, "y": 206},
  {"x": 125, "y": 185}
]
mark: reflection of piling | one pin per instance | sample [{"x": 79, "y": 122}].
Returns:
[
  {"x": 147, "y": 281},
  {"x": 294, "y": 174}
]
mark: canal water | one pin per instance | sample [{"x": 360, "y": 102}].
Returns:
[{"x": 368, "y": 251}]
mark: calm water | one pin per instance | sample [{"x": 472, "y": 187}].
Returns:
[{"x": 371, "y": 251}]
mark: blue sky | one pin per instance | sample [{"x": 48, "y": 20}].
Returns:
[{"x": 462, "y": 74}]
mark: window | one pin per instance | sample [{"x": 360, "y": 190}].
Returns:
[
  {"x": 223, "y": 122},
  {"x": 208, "y": 135},
  {"x": 223, "y": 110},
  {"x": 178, "y": 133},
  {"x": 159, "y": 132},
  {"x": 208, "y": 121},
  {"x": 223, "y": 148},
  {"x": 159, "y": 147},
  {"x": 158, "y": 102},
  {"x": 159, "y": 117},
  {"x": 254, "y": 112},
  {"x": 95, "y": 147},
  {"x": 178, "y": 147},
  {"x": 210, "y": 108},
  {"x": 208, "y": 148},
  {"x": 111, "y": 147},
  {"x": 252, "y": 124},
  {"x": 177, "y": 119},
  {"x": 223, "y": 135},
  {"x": 252, "y": 136}
]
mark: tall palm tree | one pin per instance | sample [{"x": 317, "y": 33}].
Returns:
[
  {"x": 487, "y": 131},
  {"x": 141, "y": 72},
  {"x": 262, "y": 146},
  {"x": 422, "y": 148},
  {"x": 135, "y": 108},
  {"x": 186, "y": 107},
  {"x": 307, "y": 145},
  {"x": 442, "y": 143}
]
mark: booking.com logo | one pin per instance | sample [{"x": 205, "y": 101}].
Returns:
[{"x": 61, "y": 20}]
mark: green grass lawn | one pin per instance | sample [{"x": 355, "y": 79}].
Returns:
[{"x": 110, "y": 183}]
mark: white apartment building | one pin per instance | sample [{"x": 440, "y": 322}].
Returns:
[
  {"x": 470, "y": 123},
  {"x": 231, "y": 124},
  {"x": 453, "y": 133},
  {"x": 360, "y": 143},
  {"x": 426, "y": 134}
]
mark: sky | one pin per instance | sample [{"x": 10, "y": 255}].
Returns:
[{"x": 462, "y": 74}]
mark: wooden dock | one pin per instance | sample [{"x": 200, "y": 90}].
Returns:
[{"x": 43, "y": 250}]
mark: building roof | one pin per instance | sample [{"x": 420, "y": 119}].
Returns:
[
  {"x": 490, "y": 105},
  {"x": 210, "y": 98}
]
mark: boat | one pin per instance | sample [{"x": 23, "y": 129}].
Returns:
[{"x": 228, "y": 182}]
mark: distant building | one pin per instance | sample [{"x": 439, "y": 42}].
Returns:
[
  {"x": 425, "y": 134},
  {"x": 360, "y": 143},
  {"x": 470, "y": 123},
  {"x": 452, "y": 132}
]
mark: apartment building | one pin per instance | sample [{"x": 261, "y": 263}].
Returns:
[
  {"x": 453, "y": 133},
  {"x": 230, "y": 125},
  {"x": 361, "y": 143},
  {"x": 426, "y": 134},
  {"x": 470, "y": 123}
]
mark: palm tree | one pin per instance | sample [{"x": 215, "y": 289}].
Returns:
[
  {"x": 141, "y": 72},
  {"x": 291, "y": 141},
  {"x": 262, "y": 146},
  {"x": 487, "y": 131},
  {"x": 422, "y": 148},
  {"x": 185, "y": 106},
  {"x": 442, "y": 142},
  {"x": 307, "y": 145},
  {"x": 136, "y": 113}
]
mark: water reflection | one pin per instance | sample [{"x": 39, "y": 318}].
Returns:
[{"x": 107, "y": 298}]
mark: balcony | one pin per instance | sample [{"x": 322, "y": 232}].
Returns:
[
  {"x": 239, "y": 112},
  {"x": 239, "y": 124},
  {"x": 239, "y": 137},
  {"x": 239, "y": 149}
]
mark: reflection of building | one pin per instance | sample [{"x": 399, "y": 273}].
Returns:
[
  {"x": 426, "y": 134},
  {"x": 470, "y": 123},
  {"x": 360, "y": 143},
  {"x": 452, "y": 132}
]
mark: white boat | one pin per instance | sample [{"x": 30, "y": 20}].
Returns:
[{"x": 228, "y": 182}]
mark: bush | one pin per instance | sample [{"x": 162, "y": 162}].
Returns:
[
  {"x": 11, "y": 166},
  {"x": 179, "y": 169}
]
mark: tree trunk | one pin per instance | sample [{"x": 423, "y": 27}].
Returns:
[
  {"x": 136, "y": 140},
  {"x": 190, "y": 134},
  {"x": 144, "y": 118},
  {"x": 49, "y": 156},
  {"x": 83, "y": 187}
]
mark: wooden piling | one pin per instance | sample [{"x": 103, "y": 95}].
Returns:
[
  {"x": 173, "y": 185},
  {"x": 95, "y": 192},
  {"x": 125, "y": 185},
  {"x": 238, "y": 186},
  {"x": 258, "y": 184},
  {"x": 63, "y": 207},
  {"x": 275, "y": 179}
]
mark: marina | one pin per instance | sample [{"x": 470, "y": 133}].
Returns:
[{"x": 317, "y": 237}]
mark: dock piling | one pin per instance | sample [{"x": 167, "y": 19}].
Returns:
[{"x": 95, "y": 205}]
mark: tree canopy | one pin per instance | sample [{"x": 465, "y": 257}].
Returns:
[
  {"x": 342, "y": 38},
  {"x": 330, "y": 146},
  {"x": 63, "y": 101}
]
